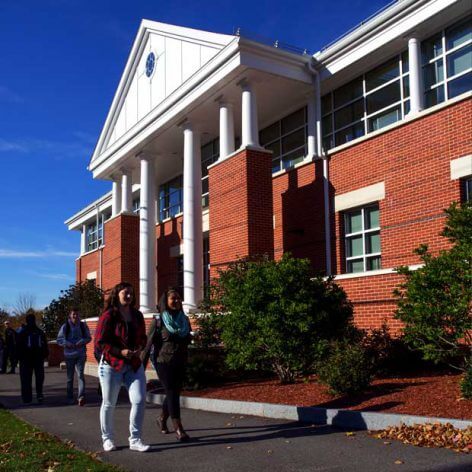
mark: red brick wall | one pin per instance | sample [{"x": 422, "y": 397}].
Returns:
[
  {"x": 88, "y": 263},
  {"x": 241, "y": 222},
  {"x": 414, "y": 162},
  {"x": 168, "y": 234},
  {"x": 299, "y": 214}
]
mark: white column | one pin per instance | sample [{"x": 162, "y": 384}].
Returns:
[
  {"x": 147, "y": 243},
  {"x": 250, "y": 131},
  {"x": 226, "y": 130},
  {"x": 83, "y": 240},
  {"x": 416, "y": 76},
  {"x": 192, "y": 220},
  {"x": 126, "y": 191},
  {"x": 115, "y": 198}
]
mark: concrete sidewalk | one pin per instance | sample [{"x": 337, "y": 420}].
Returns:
[{"x": 221, "y": 442}]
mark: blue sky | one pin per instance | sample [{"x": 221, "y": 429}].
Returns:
[{"x": 60, "y": 64}]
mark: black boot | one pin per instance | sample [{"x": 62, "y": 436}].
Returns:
[{"x": 182, "y": 436}]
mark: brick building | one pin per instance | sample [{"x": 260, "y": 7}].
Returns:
[{"x": 220, "y": 146}]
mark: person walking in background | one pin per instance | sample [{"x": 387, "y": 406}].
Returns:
[
  {"x": 9, "y": 351},
  {"x": 120, "y": 337},
  {"x": 32, "y": 349},
  {"x": 74, "y": 336},
  {"x": 169, "y": 335}
]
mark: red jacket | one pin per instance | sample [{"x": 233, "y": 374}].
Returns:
[{"x": 112, "y": 336}]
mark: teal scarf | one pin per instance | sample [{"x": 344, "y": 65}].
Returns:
[{"x": 176, "y": 324}]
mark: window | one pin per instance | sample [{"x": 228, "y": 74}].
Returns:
[
  {"x": 468, "y": 190},
  {"x": 170, "y": 198},
  {"x": 286, "y": 138},
  {"x": 376, "y": 99},
  {"x": 206, "y": 264},
  {"x": 447, "y": 63},
  {"x": 362, "y": 239},
  {"x": 94, "y": 236},
  {"x": 135, "y": 205},
  {"x": 210, "y": 154}
]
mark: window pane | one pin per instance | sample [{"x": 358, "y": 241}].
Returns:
[
  {"x": 355, "y": 266},
  {"x": 275, "y": 148},
  {"x": 468, "y": 190},
  {"x": 276, "y": 165},
  {"x": 431, "y": 48},
  {"x": 348, "y": 92},
  {"x": 382, "y": 74},
  {"x": 435, "y": 96},
  {"x": 384, "y": 119},
  {"x": 406, "y": 86},
  {"x": 433, "y": 73},
  {"x": 372, "y": 243},
  {"x": 293, "y": 121},
  {"x": 326, "y": 104},
  {"x": 348, "y": 134},
  {"x": 346, "y": 115},
  {"x": 373, "y": 263},
  {"x": 293, "y": 158},
  {"x": 459, "y": 61},
  {"x": 354, "y": 246},
  {"x": 293, "y": 141},
  {"x": 270, "y": 133},
  {"x": 405, "y": 62},
  {"x": 328, "y": 143},
  {"x": 354, "y": 222},
  {"x": 371, "y": 217},
  {"x": 406, "y": 107},
  {"x": 204, "y": 186},
  {"x": 327, "y": 125},
  {"x": 384, "y": 97},
  {"x": 207, "y": 151},
  {"x": 458, "y": 34},
  {"x": 460, "y": 85}
]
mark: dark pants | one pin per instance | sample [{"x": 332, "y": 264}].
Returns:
[
  {"x": 172, "y": 378},
  {"x": 27, "y": 367},
  {"x": 9, "y": 353}
]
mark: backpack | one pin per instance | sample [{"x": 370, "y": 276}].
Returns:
[
  {"x": 67, "y": 329},
  {"x": 34, "y": 340}
]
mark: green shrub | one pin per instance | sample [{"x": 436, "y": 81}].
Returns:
[
  {"x": 205, "y": 366},
  {"x": 278, "y": 317},
  {"x": 435, "y": 301},
  {"x": 466, "y": 382},
  {"x": 347, "y": 369},
  {"x": 208, "y": 333}
]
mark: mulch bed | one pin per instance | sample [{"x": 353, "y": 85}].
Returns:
[{"x": 435, "y": 395}]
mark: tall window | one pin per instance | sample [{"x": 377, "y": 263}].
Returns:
[
  {"x": 468, "y": 190},
  {"x": 362, "y": 239},
  {"x": 374, "y": 100},
  {"x": 210, "y": 154},
  {"x": 135, "y": 205},
  {"x": 170, "y": 198},
  {"x": 447, "y": 63},
  {"x": 94, "y": 232},
  {"x": 286, "y": 138}
]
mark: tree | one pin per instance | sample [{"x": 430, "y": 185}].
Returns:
[
  {"x": 24, "y": 303},
  {"x": 435, "y": 301},
  {"x": 276, "y": 316},
  {"x": 85, "y": 296}
]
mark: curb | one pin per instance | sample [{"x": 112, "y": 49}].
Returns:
[{"x": 362, "y": 420}]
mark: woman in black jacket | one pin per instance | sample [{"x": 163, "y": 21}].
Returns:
[{"x": 169, "y": 334}]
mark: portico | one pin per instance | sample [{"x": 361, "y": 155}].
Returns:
[{"x": 230, "y": 96}]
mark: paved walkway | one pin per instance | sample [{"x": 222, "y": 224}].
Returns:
[{"x": 222, "y": 442}]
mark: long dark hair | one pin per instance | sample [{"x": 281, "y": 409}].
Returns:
[
  {"x": 113, "y": 300},
  {"x": 163, "y": 300}
]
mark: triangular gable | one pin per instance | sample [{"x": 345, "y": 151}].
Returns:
[{"x": 178, "y": 53}]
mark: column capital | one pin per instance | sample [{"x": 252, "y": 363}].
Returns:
[
  {"x": 244, "y": 84},
  {"x": 224, "y": 102},
  {"x": 146, "y": 155}
]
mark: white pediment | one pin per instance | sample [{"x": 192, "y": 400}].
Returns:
[{"x": 178, "y": 53}]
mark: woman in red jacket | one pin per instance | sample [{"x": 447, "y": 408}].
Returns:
[{"x": 120, "y": 337}]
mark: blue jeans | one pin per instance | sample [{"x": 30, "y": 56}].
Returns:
[
  {"x": 111, "y": 382},
  {"x": 75, "y": 364}
]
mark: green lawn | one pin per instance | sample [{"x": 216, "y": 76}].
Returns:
[{"x": 26, "y": 448}]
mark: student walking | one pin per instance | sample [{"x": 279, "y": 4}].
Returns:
[
  {"x": 74, "y": 336},
  {"x": 120, "y": 337},
  {"x": 9, "y": 351},
  {"x": 169, "y": 335},
  {"x": 32, "y": 349}
]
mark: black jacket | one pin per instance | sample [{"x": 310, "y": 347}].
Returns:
[{"x": 31, "y": 344}]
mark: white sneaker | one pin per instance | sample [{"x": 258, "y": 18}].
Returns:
[
  {"x": 138, "y": 445},
  {"x": 108, "y": 445}
]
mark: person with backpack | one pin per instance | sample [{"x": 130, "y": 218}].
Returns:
[
  {"x": 168, "y": 340},
  {"x": 74, "y": 336},
  {"x": 9, "y": 351},
  {"x": 120, "y": 337},
  {"x": 32, "y": 350}
]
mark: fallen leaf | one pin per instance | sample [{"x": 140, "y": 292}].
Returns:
[
  {"x": 350, "y": 433},
  {"x": 229, "y": 447},
  {"x": 398, "y": 462}
]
